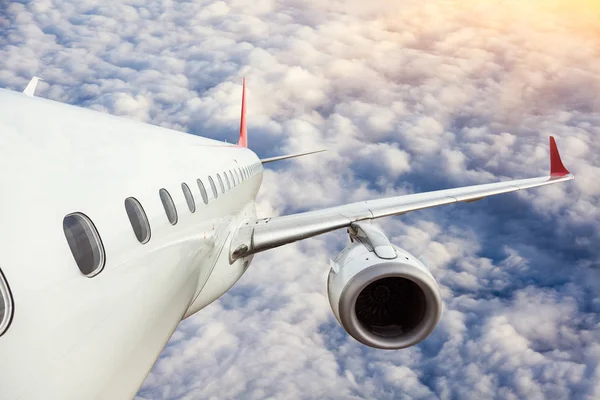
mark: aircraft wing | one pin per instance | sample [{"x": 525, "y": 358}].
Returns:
[
  {"x": 279, "y": 158},
  {"x": 263, "y": 234}
]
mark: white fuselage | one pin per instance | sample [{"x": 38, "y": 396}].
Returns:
[{"x": 74, "y": 337}]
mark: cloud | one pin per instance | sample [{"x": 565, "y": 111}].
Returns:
[{"x": 407, "y": 97}]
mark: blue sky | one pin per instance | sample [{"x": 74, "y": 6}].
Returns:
[{"x": 407, "y": 96}]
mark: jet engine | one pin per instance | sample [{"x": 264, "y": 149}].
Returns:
[{"x": 382, "y": 295}]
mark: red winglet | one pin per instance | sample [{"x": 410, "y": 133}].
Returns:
[
  {"x": 556, "y": 166},
  {"x": 243, "y": 142}
]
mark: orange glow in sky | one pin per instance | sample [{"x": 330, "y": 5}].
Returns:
[
  {"x": 580, "y": 17},
  {"x": 585, "y": 13}
]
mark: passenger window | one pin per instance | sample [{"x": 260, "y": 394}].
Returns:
[
  {"x": 213, "y": 187},
  {"x": 221, "y": 183},
  {"x": 202, "y": 191},
  {"x": 137, "y": 218},
  {"x": 227, "y": 180},
  {"x": 85, "y": 243},
  {"x": 232, "y": 178},
  {"x": 169, "y": 206},
  {"x": 189, "y": 198},
  {"x": 6, "y": 305}
]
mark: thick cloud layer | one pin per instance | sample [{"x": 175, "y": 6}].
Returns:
[{"x": 407, "y": 96}]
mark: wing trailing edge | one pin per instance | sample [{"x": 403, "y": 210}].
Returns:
[{"x": 267, "y": 233}]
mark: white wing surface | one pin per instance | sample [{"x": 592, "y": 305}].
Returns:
[{"x": 267, "y": 233}]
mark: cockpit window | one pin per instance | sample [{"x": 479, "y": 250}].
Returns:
[
  {"x": 169, "y": 206},
  {"x": 139, "y": 220},
  {"x": 6, "y": 305},
  {"x": 85, "y": 243}
]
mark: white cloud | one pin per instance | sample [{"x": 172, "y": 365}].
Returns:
[{"x": 406, "y": 96}]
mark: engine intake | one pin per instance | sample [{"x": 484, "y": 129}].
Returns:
[
  {"x": 387, "y": 303},
  {"x": 381, "y": 306}
]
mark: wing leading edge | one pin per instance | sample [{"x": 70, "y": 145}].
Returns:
[
  {"x": 279, "y": 158},
  {"x": 263, "y": 234}
]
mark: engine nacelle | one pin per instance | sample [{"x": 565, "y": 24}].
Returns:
[{"x": 382, "y": 295}]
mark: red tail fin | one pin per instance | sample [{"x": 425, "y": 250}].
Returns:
[{"x": 243, "y": 142}]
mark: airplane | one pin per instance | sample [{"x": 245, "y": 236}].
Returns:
[{"x": 114, "y": 231}]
